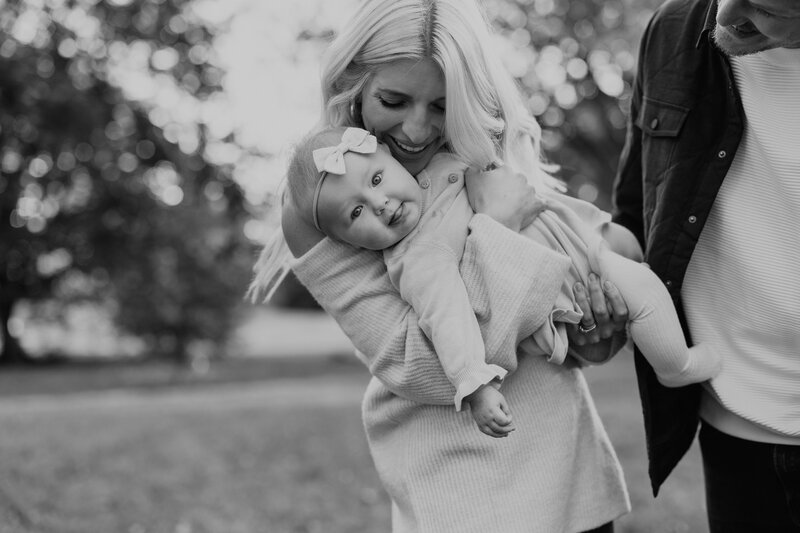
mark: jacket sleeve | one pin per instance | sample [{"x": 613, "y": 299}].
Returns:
[{"x": 627, "y": 192}]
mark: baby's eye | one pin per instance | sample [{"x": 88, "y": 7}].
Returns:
[
  {"x": 355, "y": 213},
  {"x": 377, "y": 179}
]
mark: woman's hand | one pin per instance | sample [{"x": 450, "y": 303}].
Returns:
[
  {"x": 604, "y": 312},
  {"x": 504, "y": 195}
]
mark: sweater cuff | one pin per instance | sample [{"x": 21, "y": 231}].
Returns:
[{"x": 471, "y": 379}]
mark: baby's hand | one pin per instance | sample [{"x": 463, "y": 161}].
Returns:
[
  {"x": 490, "y": 411},
  {"x": 504, "y": 195}
]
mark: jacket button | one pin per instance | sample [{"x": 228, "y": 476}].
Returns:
[
  {"x": 424, "y": 184},
  {"x": 722, "y": 154},
  {"x": 452, "y": 178},
  {"x": 654, "y": 123},
  {"x": 692, "y": 219},
  {"x": 668, "y": 283}
]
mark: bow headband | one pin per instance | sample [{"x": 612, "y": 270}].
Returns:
[{"x": 330, "y": 160}]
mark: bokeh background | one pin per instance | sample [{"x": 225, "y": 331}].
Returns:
[{"x": 141, "y": 146}]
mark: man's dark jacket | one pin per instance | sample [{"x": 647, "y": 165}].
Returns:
[{"x": 686, "y": 121}]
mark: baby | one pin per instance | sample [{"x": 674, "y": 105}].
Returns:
[{"x": 357, "y": 193}]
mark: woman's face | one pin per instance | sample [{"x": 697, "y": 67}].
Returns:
[{"x": 403, "y": 106}]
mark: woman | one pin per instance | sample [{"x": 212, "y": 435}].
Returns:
[{"x": 422, "y": 76}]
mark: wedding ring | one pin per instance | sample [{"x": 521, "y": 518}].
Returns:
[{"x": 586, "y": 330}]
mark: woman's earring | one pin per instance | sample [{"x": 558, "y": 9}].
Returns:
[{"x": 355, "y": 107}]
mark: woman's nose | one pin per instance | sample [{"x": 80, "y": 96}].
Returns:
[{"x": 417, "y": 125}]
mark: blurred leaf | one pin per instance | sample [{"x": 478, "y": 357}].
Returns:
[{"x": 575, "y": 60}]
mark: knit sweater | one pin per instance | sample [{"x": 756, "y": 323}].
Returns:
[
  {"x": 556, "y": 473},
  {"x": 741, "y": 288}
]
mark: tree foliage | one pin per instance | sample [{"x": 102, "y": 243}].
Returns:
[
  {"x": 576, "y": 60},
  {"x": 115, "y": 188},
  {"x": 105, "y": 197}
]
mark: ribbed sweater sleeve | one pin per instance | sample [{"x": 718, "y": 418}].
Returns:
[{"x": 353, "y": 287}]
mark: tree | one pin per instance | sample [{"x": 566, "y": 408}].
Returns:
[
  {"x": 106, "y": 197},
  {"x": 575, "y": 60}
]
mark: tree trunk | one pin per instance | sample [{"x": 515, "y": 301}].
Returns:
[{"x": 12, "y": 353}]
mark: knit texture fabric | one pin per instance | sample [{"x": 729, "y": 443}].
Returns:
[
  {"x": 424, "y": 267},
  {"x": 741, "y": 288},
  {"x": 556, "y": 473}
]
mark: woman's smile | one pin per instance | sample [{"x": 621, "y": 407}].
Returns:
[{"x": 408, "y": 147}]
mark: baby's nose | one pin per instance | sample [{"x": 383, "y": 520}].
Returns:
[{"x": 380, "y": 205}]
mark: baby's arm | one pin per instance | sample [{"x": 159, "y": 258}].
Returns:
[
  {"x": 490, "y": 411},
  {"x": 504, "y": 195},
  {"x": 427, "y": 276}
]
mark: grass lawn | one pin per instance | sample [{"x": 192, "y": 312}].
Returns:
[{"x": 251, "y": 447}]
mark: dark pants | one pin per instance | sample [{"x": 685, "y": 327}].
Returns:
[
  {"x": 750, "y": 486},
  {"x": 608, "y": 528}
]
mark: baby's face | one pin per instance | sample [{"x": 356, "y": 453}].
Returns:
[{"x": 373, "y": 205}]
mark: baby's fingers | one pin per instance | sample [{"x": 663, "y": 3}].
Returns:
[
  {"x": 506, "y": 410},
  {"x": 496, "y": 429}
]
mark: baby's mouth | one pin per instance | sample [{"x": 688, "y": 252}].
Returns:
[{"x": 397, "y": 215}]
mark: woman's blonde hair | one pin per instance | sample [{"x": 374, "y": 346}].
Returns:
[
  {"x": 298, "y": 188},
  {"x": 485, "y": 117}
]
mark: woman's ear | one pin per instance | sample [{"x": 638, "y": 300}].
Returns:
[{"x": 355, "y": 112}]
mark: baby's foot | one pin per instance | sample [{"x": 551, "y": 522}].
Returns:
[{"x": 703, "y": 364}]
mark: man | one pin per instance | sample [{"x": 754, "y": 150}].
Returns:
[{"x": 709, "y": 181}]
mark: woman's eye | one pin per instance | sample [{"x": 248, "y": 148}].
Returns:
[
  {"x": 376, "y": 180},
  {"x": 390, "y": 103},
  {"x": 355, "y": 213}
]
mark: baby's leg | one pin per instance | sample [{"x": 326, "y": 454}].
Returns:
[{"x": 654, "y": 324}]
